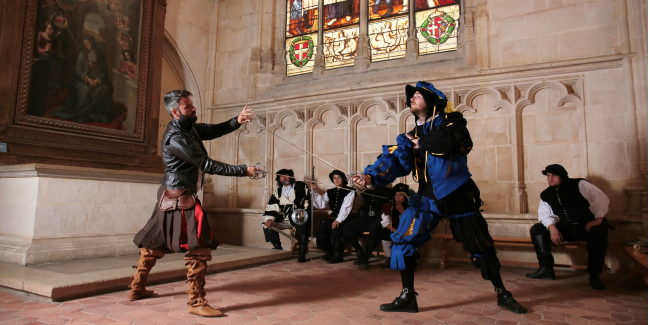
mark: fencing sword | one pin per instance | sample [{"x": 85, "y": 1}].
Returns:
[
  {"x": 261, "y": 173},
  {"x": 289, "y": 142},
  {"x": 350, "y": 176}
]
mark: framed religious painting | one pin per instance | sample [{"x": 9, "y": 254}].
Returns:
[{"x": 85, "y": 67}]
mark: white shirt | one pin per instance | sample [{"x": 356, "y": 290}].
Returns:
[
  {"x": 598, "y": 204},
  {"x": 320, "y": 202},
  {"x": 287, "y": 190},
  {"x": 385, "y": 220}
]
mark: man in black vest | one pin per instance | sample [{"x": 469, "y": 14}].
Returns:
[
  {"x": 570, "y": 209},
  {"x": 369, "y": 220},
  {"x": 340, "y": 199}
]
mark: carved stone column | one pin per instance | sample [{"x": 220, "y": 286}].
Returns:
[
  {"x": 362, "y": 61},
  {"x": 319, "y": 58},
  {"x": 482, "y": 30},
  {"x": 519, "y": 199},
  {"x": 412, "y": 41}
]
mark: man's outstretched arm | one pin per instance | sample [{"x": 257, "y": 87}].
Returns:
[{"x": 213, "y": 131}]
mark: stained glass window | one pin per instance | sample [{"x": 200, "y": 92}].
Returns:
[
  {"x": 388, "y": 26},
  {"x": 340, "y": 32},
  {"x": 437, "y": 25},
  {"x": 340, "y": 47},
  {"x": 301, "y": 35}
]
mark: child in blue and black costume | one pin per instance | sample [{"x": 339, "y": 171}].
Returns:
[{"x": 435, "y": 153}]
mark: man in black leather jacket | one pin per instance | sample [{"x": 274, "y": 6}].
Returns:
[{"x": 182, "y": 226}]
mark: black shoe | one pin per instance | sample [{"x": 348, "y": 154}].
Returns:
[
  {"x": 337, "y": 252},
  {"x": 507, "y": 301},
  {"x": 328, "y": 255},
  {"x": 303, "y": 241},
  {"x": 406, "y": 302},
  {"x": 277, "y": 245},
  {"x": 362, "y": 262},
  {"x": 544, "y": 272},
  {"x": 360, "y": 254},
  {"x": 386, "y": 263},
  {"x": 595, "y": 282},
  {"x": 336, "y": 258},
  {"x": 302, "y": 254}
]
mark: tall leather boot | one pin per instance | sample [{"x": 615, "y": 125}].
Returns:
[
  {"x": 147, "y": 260},
  {"x": 406, "y": 302},
  {"x": 596, "y": 252},
  {"x": 354, "y": 242},
  {"x": 326, "y": 246},
  {"x": 545, "y": 258},
  {"x": 370, "y": 247},
  {"x": 197, "y": 266},
  {"x": 304, "y": 248},
  {"x": 337, "y": 251}
]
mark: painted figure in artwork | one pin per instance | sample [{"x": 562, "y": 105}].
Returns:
[
  {"x": 427, "y": 4},
  {"x": 338, "y": 10},
  {"x": 128, "y": 67},
  {"x": 92, "y": 96},
  {"x": 375, "y": 8},
  {"x": 302, "y": 17},
  {"x": 46, "y": 43}
]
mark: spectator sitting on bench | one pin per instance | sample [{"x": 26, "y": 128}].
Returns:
[
  {"x": 369, "y": 219},
  {"x": 570, "y": 209},
  {"x": 340, "y": 199},
  {"x": 399, "y": 201},
  {"x": 289, "y": 196}
]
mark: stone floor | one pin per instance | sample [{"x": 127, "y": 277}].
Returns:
[{"x": 317, "y": 293}]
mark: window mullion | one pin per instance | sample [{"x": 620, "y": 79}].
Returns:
[
  {"x": 362, "y": 61},
  {"x": 319, "y": 58},
  {"x": 412, "y": 41}
]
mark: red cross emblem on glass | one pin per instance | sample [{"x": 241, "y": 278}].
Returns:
[
  {"x": 436, "y": 27},
  {"x": 301, "y": 50}
]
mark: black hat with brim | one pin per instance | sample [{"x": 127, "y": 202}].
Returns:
[
  {"x": 283, "y": 171},
  {"x": 556, "y": 169},
  {"x": 433, "y": 102},
  {"x": 340, "y": 173},
  {"x": 401, "y": 188}
]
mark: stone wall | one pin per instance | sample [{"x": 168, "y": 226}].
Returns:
[{"x": 539, "y": 82}]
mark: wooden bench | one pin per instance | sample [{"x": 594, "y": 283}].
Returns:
[
  {"x": 506, "y": 241},
  {"x": 640, "y": 269}
]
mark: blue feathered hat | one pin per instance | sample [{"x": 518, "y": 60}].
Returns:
[{"x": 435, "y": 99}]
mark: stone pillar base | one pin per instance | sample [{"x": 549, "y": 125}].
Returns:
[{"x": 55, "y": 213}]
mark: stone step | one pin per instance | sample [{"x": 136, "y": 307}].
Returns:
[{"x": 82, "y": 278}]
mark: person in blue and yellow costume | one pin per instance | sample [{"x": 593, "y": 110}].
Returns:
[{"x": 435, "y": 152}]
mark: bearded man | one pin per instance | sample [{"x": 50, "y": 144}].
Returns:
[
  {"x": 178, "y": 223},
  {"x": 289, "y": 196},
  {"x": 435, "y": 152}
]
